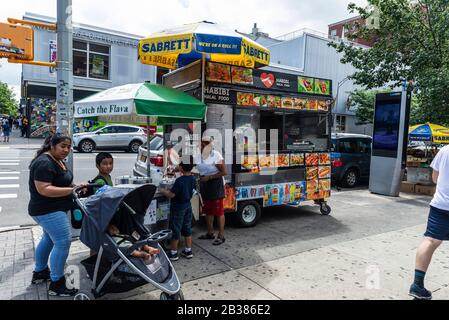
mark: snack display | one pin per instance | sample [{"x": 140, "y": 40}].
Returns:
[
  {"x": 299, "y": 104},
  {"x": 266, "y": 161},
  {"x": 245, "y": 99},
  {"x": 312, "y": 186},
  {"x": 312, "y": 105},
  {"x": 322, "y": 87},
  {"x": 260, "y": 100},
  {"x": 325, "y": 159},
  {"x": 324, "y": 172},
  {"x": 325, "y": 185},
  {"x": 274, "y": 101},
  {"x": 322, "y": 105},
  {"x": 297, "y": 159},
  {"x": 312, "y": 159},
  {"x": 242, "y": 76},
  {"x": 312, "y": 173},
  {"x": 282, "y": 160},
  {"x": 287, "y": 103},
  {"x": 250, "y": 163},
  {"x": 218, "y": 73},
  {"x": 305, "y": 85}
]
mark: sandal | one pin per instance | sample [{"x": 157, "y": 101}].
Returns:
[
  {"x": 207, "y": 236},
  {"x": 218, "y": 241}
]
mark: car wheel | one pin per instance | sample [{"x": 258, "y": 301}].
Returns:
[
  {"x": 351, "y": 178},
  {"x": 86, "y": 146},
  {"x": 134, "y": 146},
  {"x": 248, "y": 214}
]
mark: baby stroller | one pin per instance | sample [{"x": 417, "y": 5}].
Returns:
[{"x": 113, "y": 269}]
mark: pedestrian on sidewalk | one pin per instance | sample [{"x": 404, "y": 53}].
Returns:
[
  {"x": 24, "y": 127},
  {"x": 437, "y": 225},
  {"x": 212, "y": 169},
  {"x": 51, "y": 187},
  {"x": 6, "y": 128},
  {"x": 181, "y": 211}
]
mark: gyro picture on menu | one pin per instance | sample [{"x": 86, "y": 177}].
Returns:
[
  {"x": 218, "y": 73},
  {"x": 325, "y": 159},
  {"x": 312, "y": 173},
  {"x": 250, "y": 162},
  {"x": 324, "y": 185},
  {"x": 242, "y": 76},
  {"x": 297, "y": 159},
  {"x": 287, "y": 103},
  {"x": 299, "y": 104},
  {"x": 312, "y": 105},
  {"x": 322, "y": 105},
  {"x": 266, "y": 161},
  {"x": 312, "y": 159},
  {"x": 245, "y": 99},
  {"x": 312, "y": 186},
  {"x": 260, "y": 100}
]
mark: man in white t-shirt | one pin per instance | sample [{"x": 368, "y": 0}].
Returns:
[{"x": 437, "y": 225}]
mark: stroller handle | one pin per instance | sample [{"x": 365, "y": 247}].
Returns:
[{"x": 76, "y": 191}]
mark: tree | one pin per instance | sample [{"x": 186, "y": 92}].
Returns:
[
  {"x": 411, "y": 43},
  {"x": 363, "y": 101},
  {"x": 8, "y": 105}
]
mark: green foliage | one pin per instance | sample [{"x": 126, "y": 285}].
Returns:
[
  {"x": 362, "y": 101},
  {"x": 8, "y": 105},
  {"x": 411, "y": 43}
]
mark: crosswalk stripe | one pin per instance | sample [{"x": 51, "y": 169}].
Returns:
[
  {"x": 9, "y": 186},
  {"x": 9, "y": 172},
  {"x": 9, "y": 178},
  {"x": 8, "y": 196},
  {"x": 9, "y": 164}
]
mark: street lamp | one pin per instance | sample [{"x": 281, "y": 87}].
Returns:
[{"x": 339, "y": 85}]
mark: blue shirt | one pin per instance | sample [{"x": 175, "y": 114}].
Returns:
[{"x": 183, "y": 190}]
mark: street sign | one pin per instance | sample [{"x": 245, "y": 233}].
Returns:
[{"x": 16, "y": 42}]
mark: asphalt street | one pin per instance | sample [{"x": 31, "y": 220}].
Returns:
[{"x": 14, "y": 175}]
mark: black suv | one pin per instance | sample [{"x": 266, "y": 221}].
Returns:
[{"x": 351, "y": 158}]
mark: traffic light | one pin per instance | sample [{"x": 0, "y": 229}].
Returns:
[{"x": 16, "y": 42}]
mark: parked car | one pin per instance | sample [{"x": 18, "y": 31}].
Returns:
[
  {"x": 121, "y": 137},
  {"x": 351, "y": 158},
  {"x": 156, "y": 156}
]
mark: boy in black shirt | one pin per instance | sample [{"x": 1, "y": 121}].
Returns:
[{"x": 181, "y": 211}]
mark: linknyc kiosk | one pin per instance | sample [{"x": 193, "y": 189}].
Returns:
[
  {"x": 390, "y": 139},
  {"x": 246, "y": 101}
]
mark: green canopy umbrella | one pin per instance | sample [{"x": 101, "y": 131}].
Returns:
[
  {"x": 145, "y": 99},
  {"x": 165, "y": 104}
]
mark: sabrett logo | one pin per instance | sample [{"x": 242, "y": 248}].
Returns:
[
  {"x": 173, "y": 45},
  {"x": 253, "y": 52}
]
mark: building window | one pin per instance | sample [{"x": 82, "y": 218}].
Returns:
[
  {"x": 160, "y": 74},
  {"x": 334, "y": 33},
  {"x": 91, "y": 60},
  {"x": 341, "y": 124}
]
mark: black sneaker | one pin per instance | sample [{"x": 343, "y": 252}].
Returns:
[
  {"x": 420, "y": 293},
  {"x": 173, "y": 256},
  {"x": 40, "y": 277},
  {"x": 59, "y": 289},
  {"x": 187, "y": 254}
]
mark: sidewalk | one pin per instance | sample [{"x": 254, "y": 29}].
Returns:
[
  {"x": 323, "y": 266},
  {"x": 18, "y": 142}
]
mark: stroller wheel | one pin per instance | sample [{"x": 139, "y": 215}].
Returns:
[
  {"x": 178, "y": 296},
  {"x": 83, "y": 296}
]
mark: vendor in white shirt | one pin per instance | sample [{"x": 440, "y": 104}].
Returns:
[{"x": 212, "y": 170}]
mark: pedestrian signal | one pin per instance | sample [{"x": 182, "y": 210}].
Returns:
[{"x": 16, "y": 42}]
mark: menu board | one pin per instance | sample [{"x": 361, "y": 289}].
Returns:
[{"x": 264, "y": 79}]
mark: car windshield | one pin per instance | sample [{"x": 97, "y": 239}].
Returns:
[{"x": 155, "y": 143}]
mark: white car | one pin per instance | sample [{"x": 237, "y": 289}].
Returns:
[
  {"x": 156, "y": 156},
  {"x": 111, "y": 137}
]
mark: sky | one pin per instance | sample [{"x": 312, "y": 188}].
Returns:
[{"x": 144, "y": 17}]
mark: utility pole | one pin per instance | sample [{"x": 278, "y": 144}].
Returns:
[{"x": 64, "y": 77}]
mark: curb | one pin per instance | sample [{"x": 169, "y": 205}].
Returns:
[{"x": 15, "y": 228}]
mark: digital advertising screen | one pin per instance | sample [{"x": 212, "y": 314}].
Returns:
[{"x": 387, "y": 120}]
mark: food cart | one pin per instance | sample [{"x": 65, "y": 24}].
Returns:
[
  {"x": 424, "y": 143},
  {"x": 243, "y": 101}
]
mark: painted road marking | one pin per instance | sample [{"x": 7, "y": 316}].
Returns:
[
  {"x": 8, "y": 196},
  {"x": 9, "y": 178},
  {"x": 9, "y": 186}
]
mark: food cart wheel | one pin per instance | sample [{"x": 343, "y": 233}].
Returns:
[
  {"x": 325, "y": 209},
  {"x": 248, "y": 213}
]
